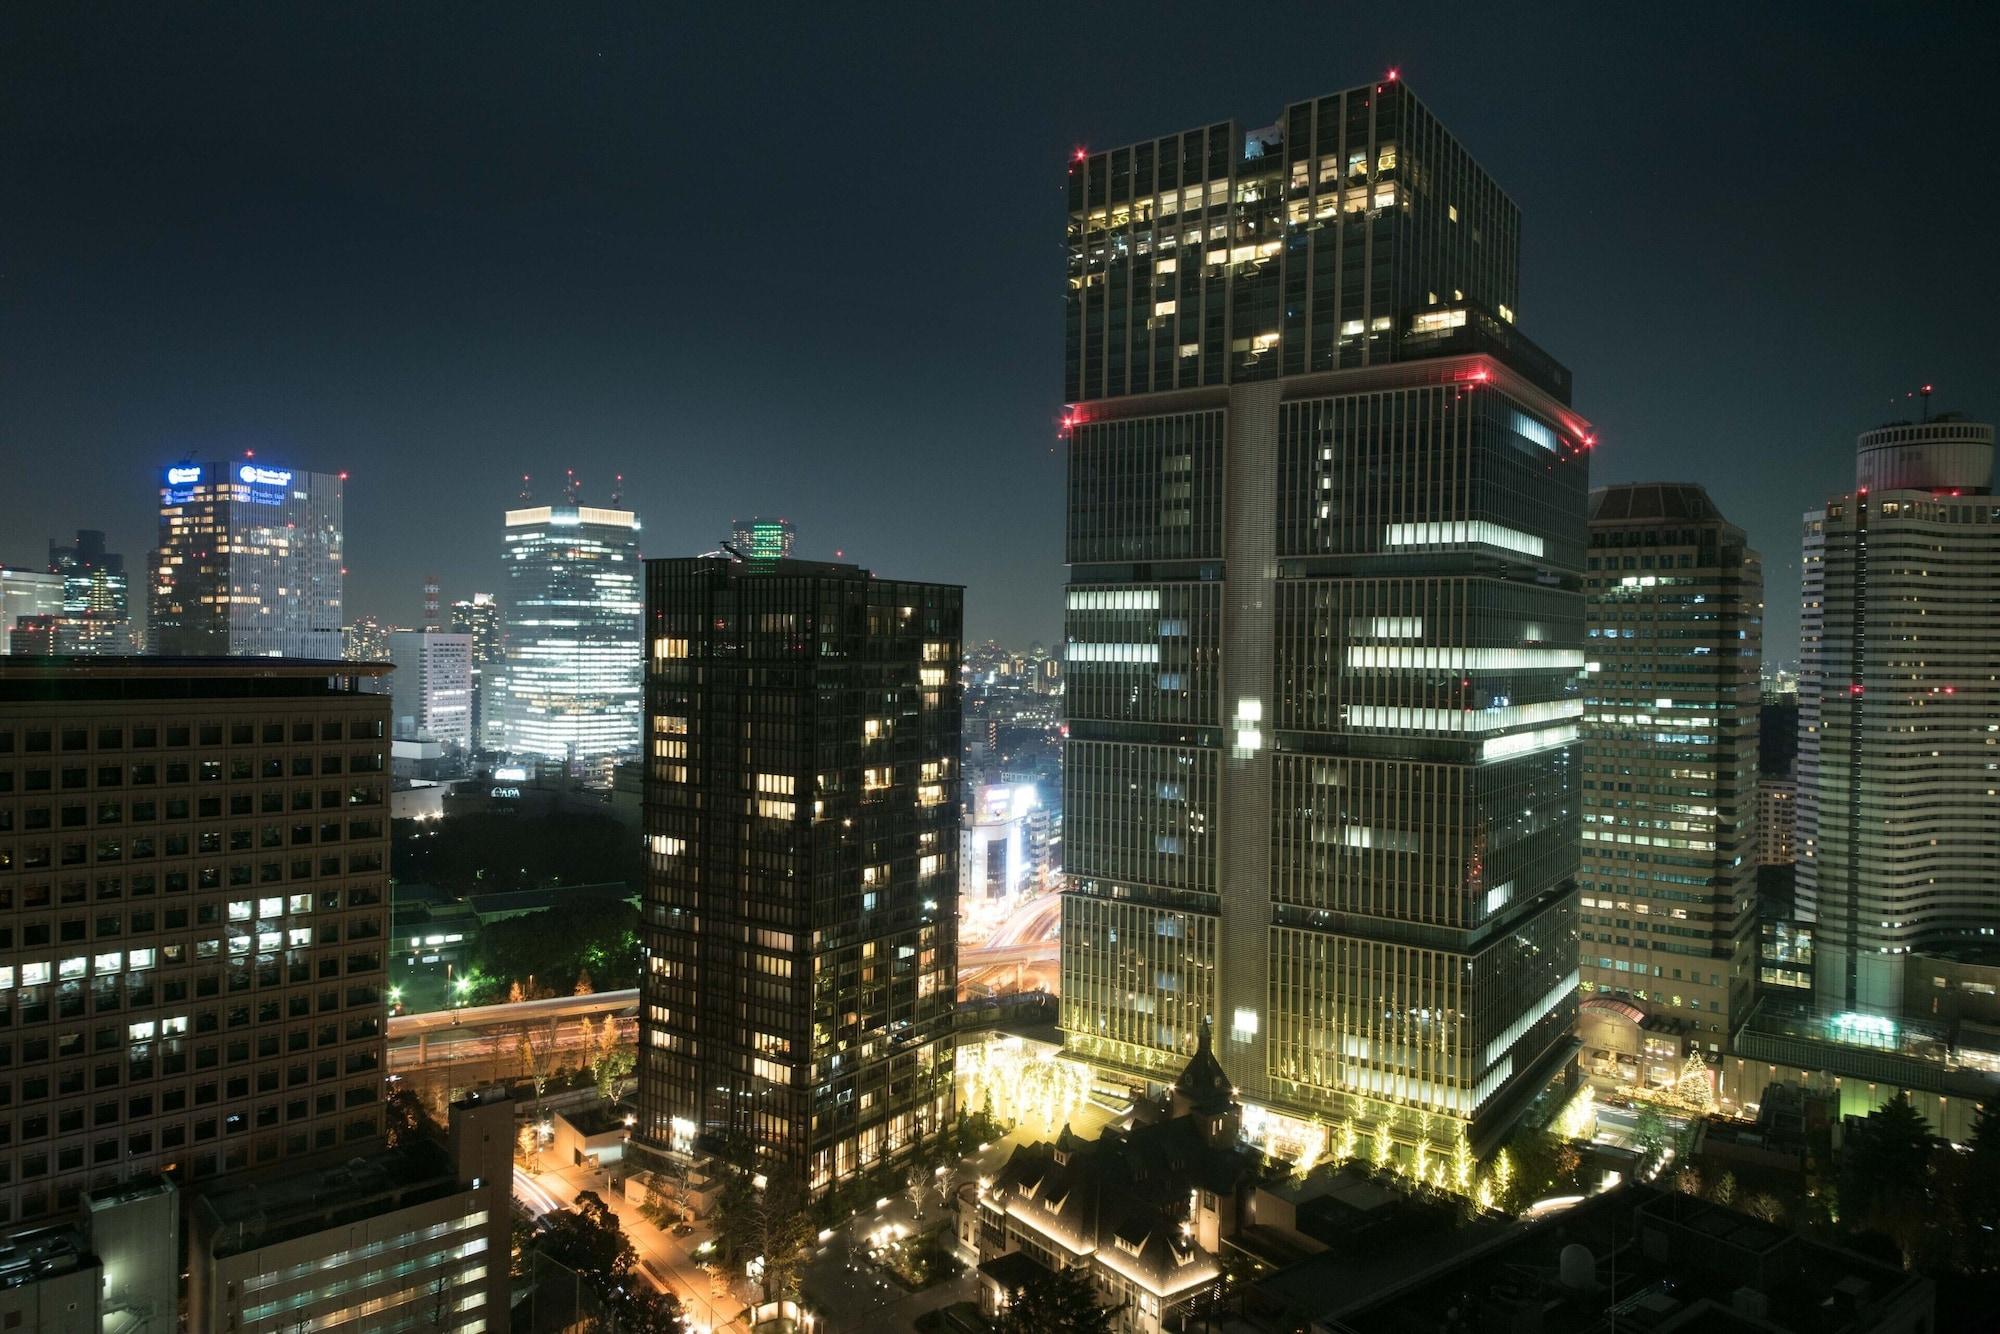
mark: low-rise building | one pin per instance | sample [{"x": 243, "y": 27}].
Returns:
[
  {"x": 1642, "y": 1258},
  {"x": 114, "y": 1270},
  {"x": 1144, "y": 1210},
  {"x": 49, "y": 1282},
  {"x": 411, "y": 1237}
]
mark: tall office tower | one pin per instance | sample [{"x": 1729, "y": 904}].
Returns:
[
  {"x": 27, "y": 595},
  {"x": 801, "y": 817},
  {"x": 1325, "y": 622},
  {"x": 196, "y": 874},
  {"x": 431, "y": 690},
  {"x": 249, "y": 563},
  {"x": 96, "y": 602},
  {"x": 1674, "y": 616},
  {"x": 763, "y": 539},
  {"x": 431, "y": 621},
  {"x": 1899, "y": 686},
  {"x": 479, "y": 617},
  {"x": 573, "y": 660}
]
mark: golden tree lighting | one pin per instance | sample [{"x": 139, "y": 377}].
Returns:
[
  {"x": 1578, "y": 1118},
  {"x": 1023, "y": 1084}
]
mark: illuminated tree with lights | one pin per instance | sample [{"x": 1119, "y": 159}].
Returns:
[
  {"x": 1383, "y": 1149},
  {"x": 1695, "y": 1089},
  {"x": 1461, "y": 1162},
  {"x": 1350, "y": 1141}
]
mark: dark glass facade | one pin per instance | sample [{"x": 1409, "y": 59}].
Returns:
[
  {"x": 1325, "y": 623},
  {"x": 801, "y": 816}
]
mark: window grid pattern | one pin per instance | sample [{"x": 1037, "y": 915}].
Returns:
[
  {"x": 1178, "y": 676},
  {"x": 1140, "y": 814},
  {"x": 192, "y": 926},
  {"x": 1146, "y": 488},
  {"x": 1137, "y": 981}
]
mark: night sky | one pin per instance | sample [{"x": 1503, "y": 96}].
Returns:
[{"x": 809, "y": 262}]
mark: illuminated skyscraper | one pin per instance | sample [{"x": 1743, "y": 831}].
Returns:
[
  {"x": 801, "y": 818},
  {"x": 1325, "y": 623},
  {"x": 249, "y": 562},
  {"x": 573, "y": 668},
  {"x": 762, "y": 539},
  {"x": 479, "y": 617},
  {"x": 97, "y": 611},
  {"x": 1899, "y": 693},
  {"x": 1670, "y": 726},
  {"x": 27, "y": 595}
]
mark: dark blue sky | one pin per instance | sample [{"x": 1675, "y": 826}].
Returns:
[{"x": 809, "y": 261}]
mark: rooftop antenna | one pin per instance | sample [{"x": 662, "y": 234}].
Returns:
[
  {"x": 617, "y": 490},
  {"x": 569, "y": 486},
  {"x": 1926, "y": 392},
  {"x": 526, "y": 494}
]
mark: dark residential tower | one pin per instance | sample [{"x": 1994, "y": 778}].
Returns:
[
  {"x": 801, "y": 817},
  {"x": 1325, "y": 622}
]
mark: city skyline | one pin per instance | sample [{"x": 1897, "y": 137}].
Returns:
[{"x": 1634, "y": 265}]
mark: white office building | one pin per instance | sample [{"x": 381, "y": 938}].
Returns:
[{"x": 573, "y": 668}]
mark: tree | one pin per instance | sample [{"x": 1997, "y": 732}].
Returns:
[
  {"x": 1062, "y": 1302},
  {"x": 1724, "y": 1190},
  {"x": 783, "y": 1232},
  {"x": 1649, "y": 1129},
  {"x": 408, "y": 1119},
  {"x": 1885, "y": 1182},
  {"x": 611, "y": 1060},
  {"x": 1766, "y": 1206},
  {"x": 538, "y": 1055},
  {"x": 589, "y": 1240},
  {"x": 583, "y": 987}
]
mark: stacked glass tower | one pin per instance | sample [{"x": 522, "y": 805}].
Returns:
[
  {"x": 1669, "y": 879},
  {"x": 573, "y": 669},
  {"x": 801, "y": 816},
  {"x": 249, "y": 562},
  {"x": 1325, "y": 622}
]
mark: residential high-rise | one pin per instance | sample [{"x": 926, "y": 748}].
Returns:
[
  {"x": 573, "y": 660},
  {"x": 479, "y": 617},
  {"x": 1325, "y": 622},
  {"x": 431, "y": 691},
  {"x": 1674, "y": 619},
  {"x": 760, "y": 539},
  {"x": 197, "y": 869},
  {"x": 801, "y": 818},
  {"x": 27, "y": 595},
  {"x": 96, "y": 604},
  {"x": 249, "y": 562},
  {"x": 1899, "y": 689}
]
